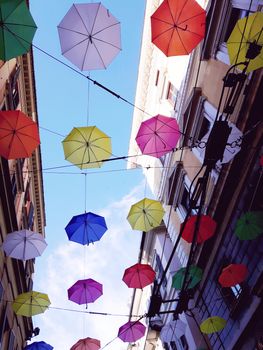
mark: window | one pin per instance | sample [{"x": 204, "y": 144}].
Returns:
[
  {"x": 171, "y": 94},
  {"x": 159, "y": 270},
  {"x": 157, "y": 77},
  {"x": 173, "y": 345},
  {"x": 11, "y": 341},
  {"x": 184, "y": 342},
  {"x": 183, "y": 201}
]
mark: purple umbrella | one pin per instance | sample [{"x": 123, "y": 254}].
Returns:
[
  {"x": 85, "y": 291},
  {"x": 158, "y": 135},
  {"x": 89, "y": 36},
  {"x": 131, "y": 331}
]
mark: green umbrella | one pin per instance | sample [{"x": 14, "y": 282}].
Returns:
[
  {"x": 249, "y": 225},
  {"x": 17, "y": 29},
  {"x": 194, "y": 277}
]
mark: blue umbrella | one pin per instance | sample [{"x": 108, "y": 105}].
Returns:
[
  {"x": 86, "y": 228},
  {"x": 39, "y": 345}
]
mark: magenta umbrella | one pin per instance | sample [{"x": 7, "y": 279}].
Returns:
[
  {"x": 85, "y": 291},
  {"x": 158, "y": 135},
  {"x": 131, "y": 331}
]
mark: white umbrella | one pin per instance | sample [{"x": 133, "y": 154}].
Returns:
[
  {"x": 172, "y": 330},
  {"x": 24, "y": 244}
]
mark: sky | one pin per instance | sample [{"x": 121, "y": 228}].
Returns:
[{"x": 66, "y": 100}]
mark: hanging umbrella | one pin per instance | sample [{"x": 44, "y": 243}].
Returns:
[
  {"x": 158, "y": 135},
  {"x": 86, "y": 228},
  {"x": 85, "y": 291},
  {"x": 87, "y": 147},
  {"x": 19, "y": 135},
  {"x": 86, "y": 344},
  {"x": 246, "y": 40},
  {"x": 30, "y": 303},
  {"x": 24, "y": 244},
  {"x": 249, "y": 225},
  {"x": 233, "y": 274},
  {"x": 206, "y": 229},
  {"x": 131, "y": 331},
  {"x": 39, "y": 345},
  {"x": 172, "y": 330},
  {"x": 193, "y": 278},
  {"x": 178, "y": 26},
  {"x": 17, "y": 29},
  {"x": 89, "y": 36},
  {"x": 212, "y": 325},
  {"x": 139, "y": 276},
  {"x": 145, "y": 214}
]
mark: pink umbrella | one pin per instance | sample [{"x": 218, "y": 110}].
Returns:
[
  {"x": 138, "y": 276},
  {"x": 131, "y": 331},
  {"x": 85, "y": 291},
  {"x": 158, "y": 135},
  {"x": 86, "y": 344}
]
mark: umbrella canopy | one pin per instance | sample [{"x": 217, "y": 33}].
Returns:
[
  {"x": 87, "y": 147},
  {"x": 89, "y": 36},
  {"x": 206, "y": 229},
  {"x": 86, "y": 228},
  {"x": 233, "y": 274},
  {"x": 19, "y": 135},
  {"x": 131, "y": 331},
  {"x": 193, "y": 278},
  {"x": 85, "y": 291},
  {"x": 158, "y": 135},
  {"x": 249, "y": 225},
  {"x": 212, "y": 325},
  {"x": 139, "y": 276},
  {"x": 24, "y": 244},
  {"x": 86, "y": 344},
  {"x": 30, "y": 303},
  {"x": 172, "y": 330},
  {"x": 178, "y": 26},
  {"x": 246, "y": 40},
  {"x": 145, "y": 214},
  {"x": 39, "y": 345},
  {"x": 17, "y": 29}
]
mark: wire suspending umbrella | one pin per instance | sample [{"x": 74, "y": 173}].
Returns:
[
  {"x": 250, "y": 225},
  {"x": 194, "y": 276},
  {"x": 131, "y": 331},
  {"x": 17, "y": 29},
  {"x": 39, "y": 345},
  {"x": 30, "y": 303},
  {"x": 206, "y": 229},
  {"x": 89, "y": 36},
  {"x": 233, "y": 274},
  {"x": 139, "y": 276},
  {"x": 172, "y": 330},
  {"x": 86, "y": 344},
  {"x": 212, "y": 324},
  {"x": 85, "y": 291}
]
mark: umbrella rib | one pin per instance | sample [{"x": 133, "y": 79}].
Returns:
[
  {"x": 20, "y": 24},
  {"x": 197, "y": 15},
  {"x": 81, "y": 19},
  {"x": 95, "y": 18},
  {"x": 109, "y": 26},
  {"x": 10, "y": 14},
  {"x": 106, "y": 42},
  {"x": 181, "y": 40},
  {"x": 18, "y": 38}
]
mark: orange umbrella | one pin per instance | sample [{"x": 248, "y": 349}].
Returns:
[
  {"x": 206, "y": 229},
  {"x": 19, "y": 135},
  {"x": 178, "y": 26},
  {"x": 232, "y": 275}
]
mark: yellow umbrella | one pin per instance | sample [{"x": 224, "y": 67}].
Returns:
[
  {"x": 86, "y": 147},
  {"x": 213, "y": 324},
  {"x": 30, "y": 303},
  {"x": 246, "y": 40},
  {"x": 145, "y": 214}
]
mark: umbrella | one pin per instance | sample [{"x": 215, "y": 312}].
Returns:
[
  {"x": 30, "y": 303},
  {"x": 206, "y": 229},
  {"x": 193, "y": 278},
  {"x": 86, "y": 344},
  {"x": 158, "y": 135},
  {"x": 249, "y": 225},
  {"x": 178, "y": 26},
  {"x": 19, "y": 135},
  {"x": 246, "y": 40},
  {"x": 39, "y": 345},
  {"x": 24, "y": 244},
  {"x": 212, "y": 325},
  {"x": 89, "y": 36},
  {"x": 138, "y": 276},
  {"x": 172, "y": 330},
  {"x": 233, "y": 274},
  {"x": 131, "y": 331},
  {"x": 86, "y": 228},
  {"x": 145, "y": 214},
  {"x": 85, "y": 291},
  {"x": 17, "y": 29},
  {"x": 87, "y": 147}
]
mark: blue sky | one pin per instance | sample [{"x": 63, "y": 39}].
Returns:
[{"x": 63, "y": 99}]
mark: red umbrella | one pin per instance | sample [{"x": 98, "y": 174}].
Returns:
[
  {"x": 206, "y": 229},
  {"x": 86, "y": 344},
  {"x": 131, "y": 331},
  {"x": 178, "y": 26},
  {"x": 138, "y": 276},
  {"x": 19, "y": 135},
  {"x": 233, "y": 274}
]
